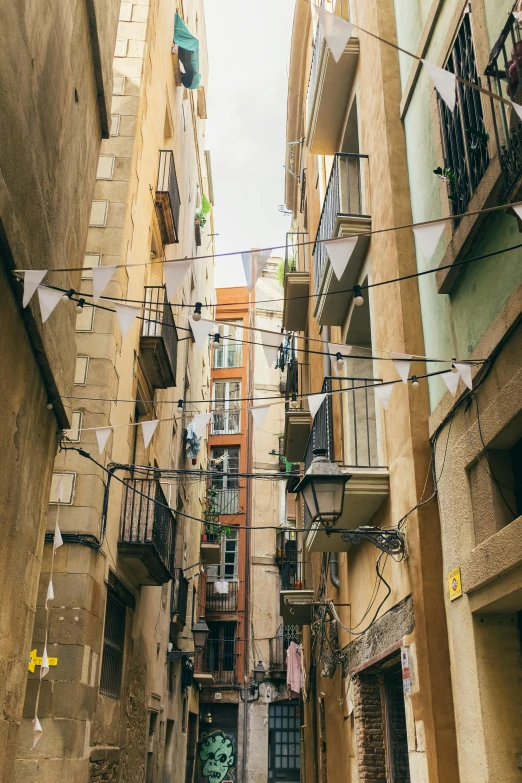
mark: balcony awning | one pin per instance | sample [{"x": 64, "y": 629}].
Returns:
[{"x": 188, "y": 54}]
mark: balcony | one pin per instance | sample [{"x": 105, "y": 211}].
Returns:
[
  {"x": 219, "y": 658},
  {"x": 147, "y": 533},
  {"x": 158, "y": 339},
  {"x": 329, "y": 91},
  {"x": 342, "y": 216},
  {"x": 278, "y": 647},
  {"x": 369, "y": 485},
  {"x": 167, "y": 199},
  {"x": 504, "y": 75},
  {"x": 296, "y": 282},
  {"x": 221, "y": 597},
  {"x": 297, "y": 420},
  {"x": 292, "y": 567},
  {"x": 225, "y": 422},
  {"x": 227, "y": 500},
  {"x": 178, "y": 602}
]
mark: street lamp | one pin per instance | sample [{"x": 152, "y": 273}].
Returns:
[
  {"x": 322, "y": 487},
  {"x": 259, "y": 672},
  {"x": 200, "y": 632}
]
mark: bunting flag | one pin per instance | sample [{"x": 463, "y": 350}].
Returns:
[
  {"x": 451, "y": 379},
  {"x": 48, "y": 298},
  {"x": 518, "y": 109},
  {"x": 58, "y": 540},
  {"x": 402, "y": 362},
  {"x": 337, "y": 32},
  {"x": 148, "y": 429},
  {"x": 59, "y": 489},
  {"x": 126, "y": 317},
  {"x": 259, "y": 415},
  {"x": 339, "y": 252},
  {"x": 445, "y": 83},
  {"x": 102, "y": 436},
  {"x": 253, "y": 264},
  {"x": 175, "y": 272},
  {"x": 518, "y": 209},
  {"x": 428, "y": 236},
  {"x": 101, "y": 277},
  {"x": 199, "y": 422},
  {"x": 464, "y": 371},
  {"x": 314, "y": 403},
  {"x": 37, "y": 731},
  {"x": 271, "y": 344},
  {"x": 384, "y": 392},
  {"x": 200, "y": 330},
  {"x": 50, "y": 593},
  {"x": 32, "y": 279},
  {"x": 44, "y": 668}
]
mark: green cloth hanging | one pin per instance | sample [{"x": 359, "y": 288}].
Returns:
[{"x": 188, "y": 54}]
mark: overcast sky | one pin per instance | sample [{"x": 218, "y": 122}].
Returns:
[{"x": 249, "y": 45}]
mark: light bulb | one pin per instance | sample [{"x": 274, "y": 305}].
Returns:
[
  {"x": 49, "y": 406},
  {"x": 340, "y": 360},
  {"x": 414, "y": 381},
  {"x": 196, "y": 316},
  {"x": 180, "y": 404},
  {"x": 293, "y": 402},
  {"x": 79, "y": 305},
  {"x": 357, "y": 296},
  {"x": 216, "y": 340}
]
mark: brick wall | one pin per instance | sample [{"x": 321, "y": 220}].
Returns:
[{"x": 369, "y": 728}]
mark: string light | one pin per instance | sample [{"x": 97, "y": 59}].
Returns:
[
  {"x": 293, "y": 401},
  {"x": 358, "y": 298},
  {"x": 180, "y": 405},
  {"x": 69, "y": 294},
  {"x": 196, "y": 315},
  {"x": 216, "y": 340},
  {"x": 414, "y": 381},
  {"x": 340, "y": 360},
  {"x": 80, "y": 305}
]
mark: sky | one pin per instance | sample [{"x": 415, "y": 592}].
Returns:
[{"x": 249, "y": 46}]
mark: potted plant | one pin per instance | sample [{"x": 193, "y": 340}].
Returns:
[{"x": 201, "y": 218}]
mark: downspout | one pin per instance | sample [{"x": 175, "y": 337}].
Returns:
[{"x": 334, "y": 570}]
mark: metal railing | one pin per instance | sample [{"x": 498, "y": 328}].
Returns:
[
  {"x": 227, "y": 500},
  {"x": 168, "y": 185},
  {"x": 145, "y": 521},
  {"x": 221, "y": 601},
  {"x": 296, "y": 252},
  {"x": 226, "y": 422},
  {"x": 221, "y": 652},
  {"x": 504, "y": 74},
  {"x": 179, "y": 597},
  {"x": 280, "y": 644},
  {"x": 158, "y": 321},
  {"x": 344, "y": 197}
]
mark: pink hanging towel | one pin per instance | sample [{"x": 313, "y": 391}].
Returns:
[{"x": 293, "y": 668}]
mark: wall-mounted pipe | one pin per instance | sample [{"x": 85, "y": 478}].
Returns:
[{"x": 334, "y": 570}]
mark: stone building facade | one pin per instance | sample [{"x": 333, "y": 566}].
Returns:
[
  {"x": 55, "y": 93},
  {"x": 120, "y": 703}
]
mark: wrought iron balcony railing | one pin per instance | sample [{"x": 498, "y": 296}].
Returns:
[
  {"x": 296, "y": 252},
  {"x": 343, "y": 199},
  {"x": 280, "y": 644},
  {"x": 226, "y": 422},
  {"x": 179, "y": 599},
  {"x": 159, "y": 338},
  {"x": 227, "y": 500},
  {"x": 168, "y": 200},
  {"x": 292, "y": 565},
  {"x": 222, "y": 598}
]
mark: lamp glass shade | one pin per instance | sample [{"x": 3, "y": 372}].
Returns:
[
  {"x": 259, "y": 672},
  {"x": 322, "y": 489},
  {"x": 200, "y": 632}
]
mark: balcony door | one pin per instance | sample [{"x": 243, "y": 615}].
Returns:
[
  {"x": 226, "y": 405},
  {"x": 228, "y": 353},
  {"x": 284, "y": 742},
  {"x": 226, "y": 461}
]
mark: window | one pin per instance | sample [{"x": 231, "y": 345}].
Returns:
[
  {"x": 284, "y": 725},
  {"x": 115, "y": 124},
  {"x": 229, "y": 353},
  {"x": 76, "y": 423},
  {"x": 220, "y": 651},
  {"x": 226, "y": 460},
  {"x": 464, "y": 139},
  {"x": 80, "y": 372},
  {"x": 89, "y": 260},
  {"x": 227, "y": 569},
  {"x": 68, "y": 481},
  {"x": 85, "y": 320},
  {"x": 113, "y": 644},
  {"x": 105, "y": 168},
  {"x": 99, "y": 211},
  {"x": 225, "y": 397},
  {"x": 120, "y": 50},
  {"x": 118, "y": 85}
]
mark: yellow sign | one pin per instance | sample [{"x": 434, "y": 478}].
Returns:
[
  {"x": 35, "y": 660},
  {"x": 454, "y": 584}
]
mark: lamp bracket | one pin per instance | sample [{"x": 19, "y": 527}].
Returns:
[
  {"x": 175, "y": 655},
  {"x": 390, "y": 541}
]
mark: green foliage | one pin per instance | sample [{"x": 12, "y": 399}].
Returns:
[
  {"x": 281, "y": 270},
  {"x": 203, "y": 212},
  {"x": 448, "y": 176},
  {"x": 211, "y": 515}
]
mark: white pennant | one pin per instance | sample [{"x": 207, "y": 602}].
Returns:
[
  {"x": 148, "y": 428},
  {"x": 199, "y": 422},
  {"x": 48, "y": 298},
  {"x": 428, "y": 237},
  {"x": 50, "y": 593},
  {"x": 337, "y": 32},
  {"x": 384, "y": 392},
  {"x": 102, "y": 436},
  {"x": 451, "y": 379},
  {"x": 402, "y": 362},
  {"x": 44, "y": 668},
  {"x": 126, "y": 317},
  {"x": 37, "y": 731},
  {"x": 59, "y": 489},
  {"x": 200, "y": 330},
  {"x": 314, "y": 403},
  {"x": 445, "y": 83},
  {"x": 58, "y": 540},
  {"x": 465, "y": 373},
  {"x": 101, "y": 277},
  {"x": 259, "y": 415},
  {"x": 175, "y": 272},
  {"x": 253, "y": 264},
  {"x": 339, "y": 252},
  {"x": 518, "y": 108},
  {"x": 32, "y": 279},
  {"x": 271, "y": 344},
  {"x": 518, "y": 207}
]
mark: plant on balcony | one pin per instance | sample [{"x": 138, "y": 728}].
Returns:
[
  {"x": 201, "y": 216},
  {"x": 211, "y": 516},
  {"x": 281, "y": 270},
  {"x": 450, "y": 178}
]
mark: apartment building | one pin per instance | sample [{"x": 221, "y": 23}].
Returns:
[
  {"x": 120, "y": 703},
  {"x": 55, "y": 92}
]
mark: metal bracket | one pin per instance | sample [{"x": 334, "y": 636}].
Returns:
[{"x": 390, "y": 541}]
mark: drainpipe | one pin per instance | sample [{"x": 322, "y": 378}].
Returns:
[{"x": 334, "y": 570}]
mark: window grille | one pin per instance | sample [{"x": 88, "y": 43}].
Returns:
[
  {"x": 227, "y": 412},
  {"x": 113, "y": 645},
  {"x": 284, "y": 741},
  {"x": 228, "y": 353}
]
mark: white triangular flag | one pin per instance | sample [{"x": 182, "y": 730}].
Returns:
[
  {"x": 44, "y": 668},
  {"x": 102, "y": 436},
  {"x": 199, "y": 423},
  {"x": 48, "y": 298},
  {"x": 428, "y": 237},
  {"x": 445, "y": 83},
  {"x": 50, "y": 592},
  {"x": 337, "y": 32},
  {"x": 465, "y": 373},
  {"x": 201, "y": 331},
  {"x": 126, "y": 317},
  {"x": 383, "y": 392},
  {"x": 518, "y": 108},
  {"x": 271, "y": 344},
  {"x": 32, "y": 279},
  {"x": 58, "y": 540},
  {"x": 253, "y": 264},
  {"x": 518, "y": 208},
  {"x": 101, "y": 277},
  {"x": 37, "y": 731},
  {"x": 451, "y": 379},
  {"x": 259, "y": 415},
  {"x": 339, "y": 252},
  {"x": 314, "y": 403},
  {"x": 59, "y": 489},
  {"x": 402, "y": 362},
  {"x": 148, "y": 428},
  {"x": 175, "y": 272}
]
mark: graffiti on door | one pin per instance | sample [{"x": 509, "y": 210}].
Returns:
[{"x": 216, "y": 755}]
